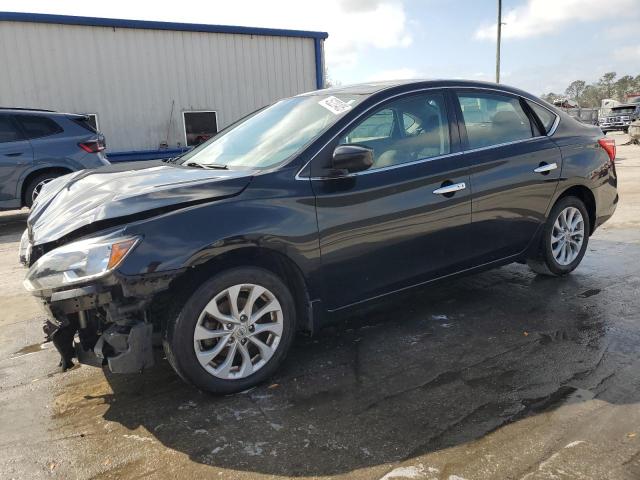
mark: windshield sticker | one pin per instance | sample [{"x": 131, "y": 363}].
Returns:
[{"x": 335, "y": 105}]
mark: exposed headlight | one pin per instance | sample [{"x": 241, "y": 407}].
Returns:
[
  {"x": 24, "y": 251},
  {"x": 78, "y": 262}
]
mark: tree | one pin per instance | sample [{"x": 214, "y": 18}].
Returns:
[
  {"x": 607, "y": 84},
  {"x": 550, "y": 97},
  {"x": 575, "y": 90},
  {"x": 592, "y": 97},
  {"x": 625, "y": 85}
]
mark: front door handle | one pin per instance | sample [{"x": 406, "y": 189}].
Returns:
[
  {"x": 14, "y": 154},
  {"x": 454, "y": 187},
  {"x": 546, "y": 167}
]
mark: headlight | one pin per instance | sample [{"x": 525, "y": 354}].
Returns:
[
  {"x": 24, "y": 252},
  {"x": 78, "y": 262}
]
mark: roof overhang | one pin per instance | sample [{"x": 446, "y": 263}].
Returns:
[{"x": 153, "y": 25}]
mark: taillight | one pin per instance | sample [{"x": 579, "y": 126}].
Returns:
[
  {"x": 609, "y": 145},
  {"x": 94, "y": 146}
]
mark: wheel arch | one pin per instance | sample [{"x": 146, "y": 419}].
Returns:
[
  {"x": 585, "y": 194},
  {"x": 39, "y": 171},
  {"x": 272, "y": 260}
]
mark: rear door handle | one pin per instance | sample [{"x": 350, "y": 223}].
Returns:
[
  {"x": 14, "y": 154},
  {"x": 547, "y": 167},
  {"x": 454, "y": 187}
]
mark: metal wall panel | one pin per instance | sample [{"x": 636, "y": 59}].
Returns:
[{"x": 131, "y": 77}]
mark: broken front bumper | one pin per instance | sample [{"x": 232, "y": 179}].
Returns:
[{"x": 110, "y": 319}]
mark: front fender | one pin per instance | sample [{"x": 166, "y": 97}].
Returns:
[{"x": 281, "y": 219}]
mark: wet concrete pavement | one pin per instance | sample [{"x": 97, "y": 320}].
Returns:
[{"x": 499, "y": 375}]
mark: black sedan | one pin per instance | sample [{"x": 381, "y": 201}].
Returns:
[{"x": 316, "y": 204}]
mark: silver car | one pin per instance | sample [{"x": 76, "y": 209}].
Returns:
[{"x": 37, "y": 146}]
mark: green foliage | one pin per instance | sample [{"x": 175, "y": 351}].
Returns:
[
  {"x": 591, "y": 95},
  {"x": 550, "y": 97}
]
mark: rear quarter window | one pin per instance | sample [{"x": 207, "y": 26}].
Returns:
[
  {"x": 38, "y": 127},
  {"x": 88, "y": 122},
  {"x": 545, "y": 116}
]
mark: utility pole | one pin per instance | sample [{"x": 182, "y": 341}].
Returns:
[{"x": 498, "y": 42}]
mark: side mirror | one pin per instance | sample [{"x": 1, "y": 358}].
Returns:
[{"x": 352, "y": 158}]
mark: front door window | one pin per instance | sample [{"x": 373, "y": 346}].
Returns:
[{"x": 405, "y": 130}]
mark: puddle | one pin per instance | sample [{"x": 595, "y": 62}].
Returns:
[
  {"x": 36, "y": 347},
  {"x": 565, "y": 395},
  {"x": 589, "y": 293}
]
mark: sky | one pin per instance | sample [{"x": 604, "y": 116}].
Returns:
[{"x": 546, "y": 43}]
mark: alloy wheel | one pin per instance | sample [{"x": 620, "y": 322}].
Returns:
[
  {"x": 567, "y": 236},
  {"x": 238, "y": 331},
  {"x": 38, "y": 188}
]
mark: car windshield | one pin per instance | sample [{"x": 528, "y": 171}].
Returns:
[
  {"x": 273, "y": 134},
  {"x": 625, "y": 109}
]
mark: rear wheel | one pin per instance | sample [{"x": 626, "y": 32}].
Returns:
[
  {"x": 35, "y": 186},
  {"x": 564, "y": 239},
  {"x": 233, "y": 332}
]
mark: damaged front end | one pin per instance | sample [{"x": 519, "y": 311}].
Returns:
[
  {"x": 95, "y": 314},
  {"x": 110, "y": 331}
]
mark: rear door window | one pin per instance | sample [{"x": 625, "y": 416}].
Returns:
[
  {"x": 8, "y": 130},
  {"x": 37, "y": 127},
  {"x": 493, "y": 119}
]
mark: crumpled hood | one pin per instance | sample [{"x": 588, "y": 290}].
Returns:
[{"x": 81, "y": 198}]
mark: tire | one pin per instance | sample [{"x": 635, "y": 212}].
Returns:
[
  {"x": 545, "y": 262},
  {"x": 35, "y": 184},
  {"x": 183, "y": 349}
]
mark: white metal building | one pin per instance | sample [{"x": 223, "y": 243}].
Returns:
[{"x": 153, "y": 87}]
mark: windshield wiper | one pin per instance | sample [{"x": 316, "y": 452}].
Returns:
[{"x": 212, "y": 166}]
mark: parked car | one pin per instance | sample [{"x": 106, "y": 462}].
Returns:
[
  {"x": 619, "y": 118},
  {"x": 315, "y": 205},
  {"x": 37, "y": 146}
]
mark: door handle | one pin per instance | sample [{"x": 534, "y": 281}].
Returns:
[
  {"x": 547, "y": 167},
  {"x": 14, "y": 154},
  {"x": 454, "y": 187}
]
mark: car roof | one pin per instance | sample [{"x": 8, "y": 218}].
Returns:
[
  {"x": 367, "y": 88},
  {"x": 25, "y": 109},
  {"x": 37, "y": 111},
  {"x": 370, "y": 88}
]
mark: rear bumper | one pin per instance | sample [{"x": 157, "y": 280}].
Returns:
[{"x": 607, "y": 213}]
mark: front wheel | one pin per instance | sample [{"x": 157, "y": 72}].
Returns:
[
  {"x": 564, "y": 239},
  {"x": 233, "y": 332}
]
